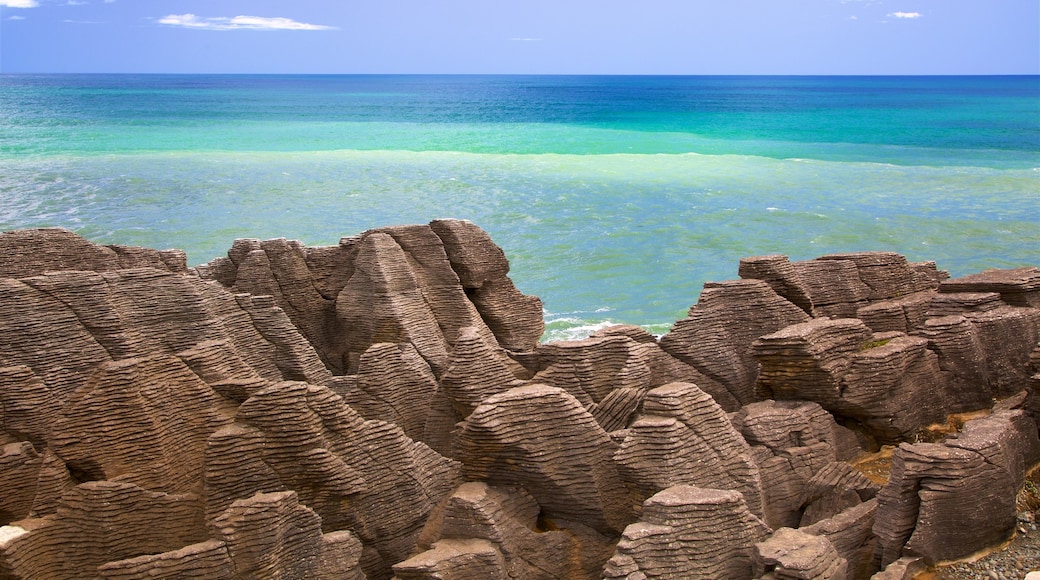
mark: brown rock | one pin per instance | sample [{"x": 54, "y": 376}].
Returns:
[
  {"x": 508, "y": 520},
  {"x": 791, "y": 441},
  {"x": 717, "y": 335},
  {"x": 542, "y": 439},
  {"x": 935, "y": 487},
  {"x": 684, "y": 438},
  {"x": 983, "y": 355},
  {"x": 795, "y": 554},
  {"x": 841, "y": 365},
  {"x": 782, "y": 277},
  {"x": 592, "y": 368},
  {"x": 1017, "y": 287},
  {"x": 515, "y": 319},
  {"x": 689, "y": 532},
  {"x": 393, "y": 384},
  {"x": 35, "y": 251},
  {"x": 99, "y": 522}
]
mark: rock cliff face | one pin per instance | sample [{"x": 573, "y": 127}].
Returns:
[{"x": 383, "y": 408}]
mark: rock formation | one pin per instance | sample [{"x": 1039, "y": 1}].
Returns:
[{"x": 383, "y": 408}]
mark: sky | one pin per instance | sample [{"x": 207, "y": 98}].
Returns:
[{"x": 695, "y": 37}]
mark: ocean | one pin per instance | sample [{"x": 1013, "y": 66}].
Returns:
[{"x": 615, "y": 198}]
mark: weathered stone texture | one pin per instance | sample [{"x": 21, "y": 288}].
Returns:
[
  {"x": 690, "y": 532},
  {"x": 717, "y": 335}
]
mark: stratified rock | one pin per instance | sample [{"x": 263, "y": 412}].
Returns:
[
  {"x": 903, "y": 314},
  {"x": 393, "y": 384},
  {"x": 507, "y": 520},
  {"x": 935, "y": 487},
  {"x": 515, "y": 319},
  {"x": 791, "y": 441},
  {"x": 832, "y": 490},
  {"x": 689, "y": 532},
  {"x": 366, "y": 476},
  {"x": 905, "y": 568},
  {"x": 1017, "y": 287},
  {"x": 476, "y": 372},
  {"x": 717, "y": 335},
  {"x": 19, "y": 470},
  {"x": 454, "y": 560},
  {"x": 99, "y": 522},
  {"x": 851, "y": 534},
  {"x": 797, "y": 555},
  {"x": 542, "y": 439},
  {"x": 887, "y": 274},
  {"x": 28, "y": 409},
  {"x": 947, "y": 304},
  {"x": 871, "y": 378},
  {"x": 155, "y": 416},
  {"x": 35, "y": 251},
  {"x": 278, "y": 268},
  {"x": 782, "y": 277},
  {"x": 208, "y": 559},
  {"x": 835, "y": 287},
  {"x": 684, "y": 438},
  {"x": 382, "y": 303},
  {"x": 665, "y": 368},
  {"x": 592, "y": 368},
  {"x": 983, "y": 355}
]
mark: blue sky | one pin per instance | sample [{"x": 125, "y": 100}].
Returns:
[{"x": 522, "y": 36}]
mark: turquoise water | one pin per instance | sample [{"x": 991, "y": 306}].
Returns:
[{"x": 615, "y": 198}]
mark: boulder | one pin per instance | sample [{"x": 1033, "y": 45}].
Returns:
[
  {"x": 689, "y": 532},
  {"x": 540, "y": 438},
  {"x": 935, "y": 487}
]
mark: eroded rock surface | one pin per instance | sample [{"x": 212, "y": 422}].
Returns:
[{"x": 383, "y": 408}]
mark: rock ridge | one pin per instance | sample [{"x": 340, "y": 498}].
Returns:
[{"x": 383, "y": 408}]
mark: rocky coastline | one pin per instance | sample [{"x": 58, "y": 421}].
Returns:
[{"x": 383, "y": 408}]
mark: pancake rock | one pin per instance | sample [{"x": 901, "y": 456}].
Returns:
[
  {"x": 717, "y": 335},
  {"x": 840, "y": 364},
  {"x": 405, "y": 284},
  {"x": 791, "y": 441},
  {"x": 795, "y": 554},
  {"x": 382, "y": 407},
  {"x": 838, "y": 285},
  {"x": 540, "y": 438},
  {"x": 689, "y": 532},
  {"x": 684, "y": 438},
  {"x": 493, "y": 532},
  {"x": 972, "y": 477}
]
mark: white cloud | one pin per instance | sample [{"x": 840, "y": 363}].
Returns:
[
  {"x": 526, "y": 39},
  {"x": 908, "y": 15},
  {"x": 75, "y": 3},
  {"x": 238, "y": 23},
  {"x": 19, "y": 3},
  {"x": 16, "y": 17}
]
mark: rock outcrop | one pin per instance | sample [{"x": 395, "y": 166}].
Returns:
[{"x": 383, "y": 408}]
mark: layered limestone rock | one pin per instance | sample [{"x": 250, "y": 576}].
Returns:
[
  {"x": 540, "y": 438},
  {"x": 838, "y": 285},
  {"x": 935, "y": 487},
  {"x": 717, "y": 335},
  {"x": 791, "y": 442},
  {"x": 33, "y": 252},
  {"x": 689, "y": 532},
  {"x": 795, "y": 554},
  {"x": 493, "y": 532},
  {"x": 382, "y": 407},
  {"x": 684, "y": 438},
  {"x": 415, "y": 284},
  {"x": 854, "y": 373}
]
